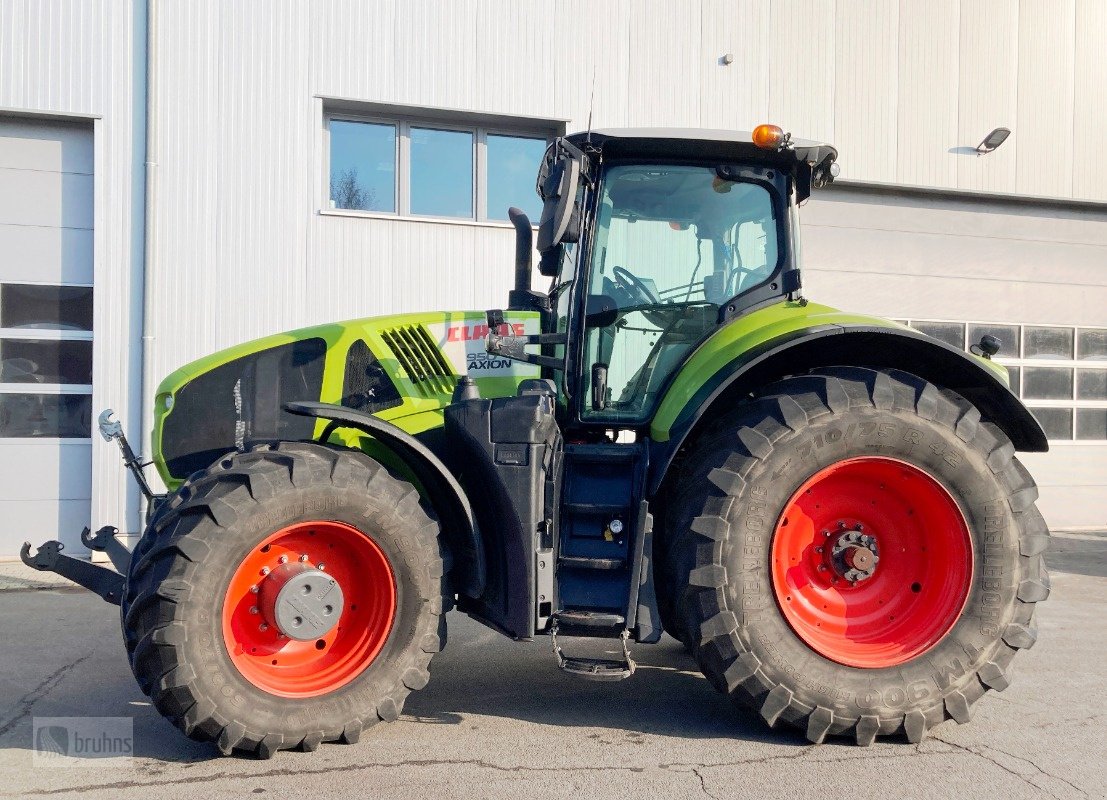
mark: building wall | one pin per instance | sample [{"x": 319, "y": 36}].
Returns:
[
  {"x": 903, "y": 89},
  {"x": 75, "y": 58},
  {"x": 240, "y": 247}
]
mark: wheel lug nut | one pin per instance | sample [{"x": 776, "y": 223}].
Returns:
[
  {"x": 254, "y": 589},
  {"x": 822, "y": 568},
  {"x": 263, "y": 627},
  {"x": 320, "y": 566},
  {"x": 303, "y": 557},
  {"x": 265, "y": 570},
  {"x": 818, "y": 549},
  {"x": 859, "y": 527},
  {"x": 826, "y": 533},
  {"x": 253, "y": 609},
  {"x": 841, "y": 524},
  {"x": 282, "y": 560}
]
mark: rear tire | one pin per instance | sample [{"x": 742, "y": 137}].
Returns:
[
  {"x": 189, "y": 641},
  {"x": 733, "y": 576}
]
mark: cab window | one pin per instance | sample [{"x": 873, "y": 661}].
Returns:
[{"x": 672, "y": 244}]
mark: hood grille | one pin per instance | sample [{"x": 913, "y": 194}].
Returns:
[{"x": 420, "y": 358}]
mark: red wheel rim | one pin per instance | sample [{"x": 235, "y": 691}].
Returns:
[
  {"x": 919, "y": 579},
  {"x": 291, "y": 668}
]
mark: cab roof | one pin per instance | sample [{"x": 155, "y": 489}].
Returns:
[
  {"x": 810, "y": 162},
  {"x": 697, "y": 143}
]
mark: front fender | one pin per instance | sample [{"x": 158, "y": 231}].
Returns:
[{"x": 442, "y": 490}]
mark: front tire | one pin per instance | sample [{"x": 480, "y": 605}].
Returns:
[
  {"x": 861, "y": 555},
  {"x": 218, "y": 636}
]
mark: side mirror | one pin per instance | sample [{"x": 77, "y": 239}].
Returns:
[
  {"x": 550, "y": 262},
  {"x": 559, "y": 195}
]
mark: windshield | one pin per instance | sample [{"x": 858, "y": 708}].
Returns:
[{"x": 672, "y": 244}]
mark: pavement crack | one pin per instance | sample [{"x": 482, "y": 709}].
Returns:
[
  {"x": 703, "y": 783},
  {"x": 697, "y": 769},
  {"x": 1079, "y": 722},
  {"x": 981, "y": 752},
  {"x": 285, "y": 772},
  {"x": 24, "y": 705},
  {"x": 1042, "y": 771}
]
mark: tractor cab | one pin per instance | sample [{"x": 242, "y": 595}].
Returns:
[{"x": 654, "y": 239}]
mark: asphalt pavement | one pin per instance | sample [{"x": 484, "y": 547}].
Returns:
[{"x": 499, "y": 720}]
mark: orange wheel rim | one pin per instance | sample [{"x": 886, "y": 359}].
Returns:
[
  {"x": 871, "y": 562},
  {"x": 289, "y": 667}
]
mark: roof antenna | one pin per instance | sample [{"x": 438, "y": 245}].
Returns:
[{"x": 591, "y": 103}]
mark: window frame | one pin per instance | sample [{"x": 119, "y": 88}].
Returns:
[
  {"x": 1022, "y": 362},
  {"x": 402, "y": 190},
  {"x": 47, "y": 334}
]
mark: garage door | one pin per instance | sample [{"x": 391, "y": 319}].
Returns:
[
  {"x": 46, "y": 268},
  {"x": 1032, "y": 274}
]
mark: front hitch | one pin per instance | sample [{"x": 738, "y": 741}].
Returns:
[
  {"x": 104, "y": 541},
  {"x": 101, "y": 580},
  {"x": 50, "y": 558}
]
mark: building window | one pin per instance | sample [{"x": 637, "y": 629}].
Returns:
[
  {"x": 45, "y": 361},
  {"x": 1059, "y": 371},
  {"x": 363, "y": 166},
  {"x": 421, "y": 167},
  {"x": 441, "y": 165}
]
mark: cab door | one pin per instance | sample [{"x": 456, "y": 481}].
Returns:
[{"x": 672, "y": 245}]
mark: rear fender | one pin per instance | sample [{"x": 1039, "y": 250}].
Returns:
[
  {"x": 845, "y": 344},
  {"x": 439, "y": 486}
]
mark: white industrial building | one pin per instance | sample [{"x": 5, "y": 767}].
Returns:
[{"x": 171, "y": 183}]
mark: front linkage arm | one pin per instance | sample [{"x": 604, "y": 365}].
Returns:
[{"x": 103, "y": 581}]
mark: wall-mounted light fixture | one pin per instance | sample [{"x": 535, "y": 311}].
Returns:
[{"x": 993, "y": 140}]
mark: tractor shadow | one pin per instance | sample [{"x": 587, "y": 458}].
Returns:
[
  {"x": 74, "y": 665},
  {"x": 482, "y": 673}
]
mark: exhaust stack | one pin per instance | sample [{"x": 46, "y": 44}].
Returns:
[{"x": 522, "y": 298}]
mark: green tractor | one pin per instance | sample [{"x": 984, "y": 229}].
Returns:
[{"x": 825, "y": 508}]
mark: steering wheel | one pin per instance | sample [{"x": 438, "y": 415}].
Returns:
[{"x": 640, "y": 292}]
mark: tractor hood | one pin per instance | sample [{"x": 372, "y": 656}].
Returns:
[{"x": 402, "y": 368}]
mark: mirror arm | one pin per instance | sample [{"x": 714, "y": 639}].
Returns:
[{"x": 514, "y": 347}]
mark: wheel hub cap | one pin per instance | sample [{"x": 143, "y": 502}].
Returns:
[
  {"x": 854, "y": 556},
  {"x": 304, "y": 603}
]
